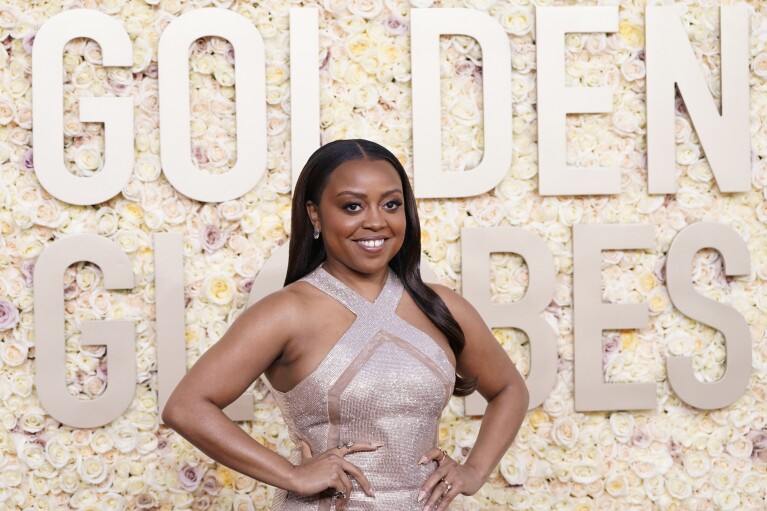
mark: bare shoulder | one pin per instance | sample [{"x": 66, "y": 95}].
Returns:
[
  {"x": 459, "y": 306},
  {"x": 282, "y": 308}
]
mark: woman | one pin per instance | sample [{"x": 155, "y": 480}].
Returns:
[{"x": 361, "y": 355}]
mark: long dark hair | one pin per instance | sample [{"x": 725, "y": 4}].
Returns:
[{"x": 306, "y": 253}]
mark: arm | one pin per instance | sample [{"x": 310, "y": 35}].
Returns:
[
  {"x": 499, "y": 382},
  {"x": 253, "y": 342},
  {"x": 223, "y": 373}
]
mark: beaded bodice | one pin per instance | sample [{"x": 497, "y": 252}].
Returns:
[{"x": 383, "y": 381}]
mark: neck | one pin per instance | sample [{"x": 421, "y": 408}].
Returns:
[{"x": 369, "y": 285}]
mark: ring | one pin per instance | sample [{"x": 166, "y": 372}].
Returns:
[
  {"x": 339, "y": 495},
  {"x": 448, "y": 486},
  {"x": 444, "y": 455},
  {"x": 348, "y": 445}
]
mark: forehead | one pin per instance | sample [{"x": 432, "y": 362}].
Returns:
[{"x": 363, "y": 175}]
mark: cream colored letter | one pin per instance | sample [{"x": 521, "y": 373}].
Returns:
[
  {"x": 48, "y": 111},
  {"x": 169, "y": 305},
  {"x": 427, "y": 25},
  {"x": 476, "y": 246},
  {"x": 173, "y": 60},
  {"x": 734, "y": 328},
  {"x": 118, "y": 336},
  {"x": 555, "y": 101},
  {"x": 171, "y": 346},
  {"x": 592, "y": 315},
  {"x": 725, "y": 138}
]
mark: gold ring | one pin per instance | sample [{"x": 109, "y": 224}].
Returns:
[
  {"x": 444, "y": 455},
  {"x": 448, "y": 486}
]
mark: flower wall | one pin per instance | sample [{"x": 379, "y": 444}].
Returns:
[{"x": 673, "y": 457}]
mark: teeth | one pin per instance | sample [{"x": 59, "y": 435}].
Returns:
[{"x": 371, "y": 243}]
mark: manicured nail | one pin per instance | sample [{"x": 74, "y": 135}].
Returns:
[
  {"x": 421, "y": 496},
  {"x": 378, "y": 445},
  {"x": 423, "y": 460}
]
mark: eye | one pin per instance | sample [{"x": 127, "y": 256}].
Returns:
[
  {"x": 352, "y": 207},
  {"x": 393, "y": 204}
]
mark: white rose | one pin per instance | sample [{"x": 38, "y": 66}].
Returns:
[
  {"x": 101, "y": 441},
  {"x": 517, "y": 21},
  {"x": 147, "y": 167},
  {"x": 678, "y": 488},
  {"x": 622, "y": 425},
  {"x": 366, "y": 9},
  {"x": 147, "y": 442},
  {"x": 219, "y": 289},
  {"x": 22, "y": 384},
  {"x": 13, "y": 353},
  {"x": 585, "y": 473},
  {"x": 93, "y": 469},
  {"x": 57, "y": 454},
  {"x": 654, "y": 487},
  {"x": 565, "y": 431},
  {"x": 31, "y": 454},
  {"x": 112, "y": 502},
  {"x": 726, "y": 500},
  {"x": 513, "y": 468},
  {"x": 616, "y": 485},
  {"x": 68, "y": 481},
  {"x": 11, "y": 476},
  {"x": 33, "y": 420},
  {"x": 696, "y": 464},
  {"x": 232, "y": 210},
  {"x": 125, "y": 437},
  {"x": 243, "y": 503}
]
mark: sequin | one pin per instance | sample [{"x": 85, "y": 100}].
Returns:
[{"x": 383, "y": 381}]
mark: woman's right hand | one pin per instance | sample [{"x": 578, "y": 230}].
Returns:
[{"x": 330, "y": 471}]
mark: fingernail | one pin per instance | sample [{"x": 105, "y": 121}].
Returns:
[
  {"x": 423, "y": 460},
  {"x": 421, "y": 496},
  {"x": 378, "y": 445}
]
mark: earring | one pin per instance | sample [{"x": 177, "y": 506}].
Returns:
[{"x": 316, "y": 233}]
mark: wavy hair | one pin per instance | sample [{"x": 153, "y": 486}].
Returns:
[{"x": 306, "y": 253}]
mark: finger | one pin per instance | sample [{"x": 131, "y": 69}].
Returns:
[
  {"x": 306, "y": 451},
  {"x": 447, "y": 497},
  {"x": 432, "y": 454},
  {"x": 437, "y": 493},
  {"x": 347, "y": 489},
  {"x": 433, "y": 485},
  {"x": 360, "y": 447},
  {"x": 355, "y": 471}
]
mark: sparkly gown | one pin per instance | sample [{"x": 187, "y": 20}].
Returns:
[{"x": 383, "y": 381}]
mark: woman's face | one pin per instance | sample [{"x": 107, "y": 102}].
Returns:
[{"x": 361, "y": 216}]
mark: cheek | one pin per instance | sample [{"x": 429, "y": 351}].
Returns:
[
  {"x": 400, "y": 223},
  {"x": 339, "y": 224}
]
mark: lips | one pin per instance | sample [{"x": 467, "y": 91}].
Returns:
[{"x": 370, "y": 243}]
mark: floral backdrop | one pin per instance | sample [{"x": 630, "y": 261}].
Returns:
[{"x": 674, "y": 457}]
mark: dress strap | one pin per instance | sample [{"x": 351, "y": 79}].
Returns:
[{"x": 385, "y": 304}]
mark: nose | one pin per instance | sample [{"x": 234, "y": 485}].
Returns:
[{"x": 374, "y": 219}]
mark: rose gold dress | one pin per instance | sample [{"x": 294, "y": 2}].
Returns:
[{"x": 383, "y": 381}]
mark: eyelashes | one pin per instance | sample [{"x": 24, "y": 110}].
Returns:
[{"x": 354, "y": 207}]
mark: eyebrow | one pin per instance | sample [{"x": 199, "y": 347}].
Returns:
[{"x": 362, "y": 195}]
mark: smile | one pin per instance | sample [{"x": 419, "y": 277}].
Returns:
[{"x": 371, "y": 243}]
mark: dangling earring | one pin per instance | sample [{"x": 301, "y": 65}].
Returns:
[{"x": 316, "y": 233}]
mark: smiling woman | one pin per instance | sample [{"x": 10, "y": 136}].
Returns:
[
  {"x": 361, "y": 216},
  {"x": 361, "y": 355}
]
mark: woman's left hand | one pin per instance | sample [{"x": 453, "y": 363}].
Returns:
[{"x": 448, "y": 480}]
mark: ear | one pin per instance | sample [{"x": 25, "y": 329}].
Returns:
[{"x": 314, "y": 214}]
